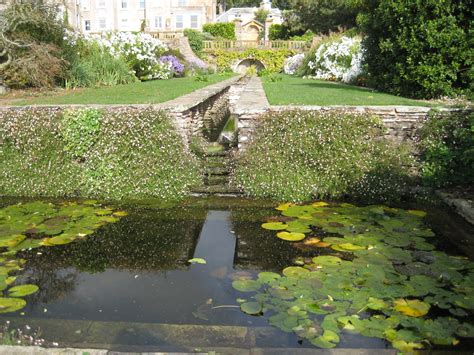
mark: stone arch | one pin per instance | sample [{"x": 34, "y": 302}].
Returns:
[{"x": 241, "y": 65}]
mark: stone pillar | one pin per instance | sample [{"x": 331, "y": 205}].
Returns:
[
  {"x": 238, "y": 28},
  {"x": 268, "y": 23}
]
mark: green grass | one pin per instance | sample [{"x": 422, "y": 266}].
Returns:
[
  {"x": 149, "y": 92},
  {"x": 298, "y": 91}
]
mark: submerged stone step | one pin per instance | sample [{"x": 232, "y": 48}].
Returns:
[
  {"x": 215, "y": 189},
  {"x": 182, "y": 337}
]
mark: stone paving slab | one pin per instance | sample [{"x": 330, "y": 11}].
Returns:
[
  {"x": 188, "y": 101},
  {"x": 252, "y": 98}
]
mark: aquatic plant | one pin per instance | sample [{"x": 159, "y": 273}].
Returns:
[
  {"x": 40, "y": 224},
  {"x": 375, "y": 273}
]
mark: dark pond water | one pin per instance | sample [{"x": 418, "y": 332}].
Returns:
[{"x": 122, "y": 284}]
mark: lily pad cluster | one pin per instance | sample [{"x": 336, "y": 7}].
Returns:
[
  {"x": 42, "y": 224},
  {"x": 376, "y": 273}
]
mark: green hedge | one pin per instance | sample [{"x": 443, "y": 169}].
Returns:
[
  {"x": 421, "y": 49},
  {"x": 301, "y": 155},
  {"x": 447, "y": 147},
  {"x": 123, "y": 153},
  {"x": 195, "y": 39},
  {"x": 274, "y": 60},
  {"x": 225, "y": 30}
]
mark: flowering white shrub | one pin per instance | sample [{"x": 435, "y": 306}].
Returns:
[
  {"x": 339, "y": 60},
  {"x": 293, "y": 63},
  {"x": 141, "y": 51}
]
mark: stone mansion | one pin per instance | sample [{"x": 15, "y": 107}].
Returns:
[{"x": 128, "y": 15}]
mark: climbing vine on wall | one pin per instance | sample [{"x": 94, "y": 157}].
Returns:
[{"x": 274, "y": 60}]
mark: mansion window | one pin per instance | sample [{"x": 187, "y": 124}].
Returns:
[
  {"x": 87, "y": 25},
  {"x": 101, "y": 3},
  {"x": 142, "y": 4},
  {"x": 102, "y": 23},
  {"x": 181, "y": 3},
  {"x": 158, "y": 22},
  {"x": 179, "y": 21},
  {"x": 124, "y": 4},
  {"x": 194, "y": 21}
]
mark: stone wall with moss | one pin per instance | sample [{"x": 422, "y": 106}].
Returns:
[{"x": 105, "y": 152}]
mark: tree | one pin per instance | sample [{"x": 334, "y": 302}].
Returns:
[
  {"x": 323, "y": 16},
  {"x": 422, "y": 49}
]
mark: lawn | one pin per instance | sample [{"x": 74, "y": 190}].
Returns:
[
  {"x": 148, "y": 92},
  {"x": 298, "y": 91}
]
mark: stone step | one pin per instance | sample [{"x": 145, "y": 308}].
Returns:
[
  {"x": 217, "y": 180},
  {"x": 216, "y": 170},
  {"x": 215, "y": 189}
]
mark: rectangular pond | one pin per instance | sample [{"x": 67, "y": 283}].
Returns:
[{"x": 204, "y": 274}]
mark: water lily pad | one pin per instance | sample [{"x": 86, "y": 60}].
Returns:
[
  {"x": 246, "y": 285},
  {"x": 251, "y": 308},
  {"x": 120, "y": 214},
  {"x": 22, "y": 290},
  {"x": 291, "y": 237},
  {"x": 417, "y": 213},
  {"x": 284, "y": 206},
  {"x": 8, "y": 305},
  {"x": 412, "y": 308},
  {"x": 320, "y": 342},
  {"x": 347, "y": 247},
  {"x": 320, "y": 204},
  {"x": 197, "y": 261},
  {"x": 294, "y": 271},
  {"x": 326, "y": 260},
  {"x": 274, "y": 226},
  {"x": 267, "y": 276}
]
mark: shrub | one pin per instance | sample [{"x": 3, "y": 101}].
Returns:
[
  {"x": 176, "y": 66},
  {"x": 195, "y": 39},
  {"x": 225, "y": 30},
  {"x": 293, "y": 63},
  {"x": 96, "y": 66},
  {"x": 114, "y": 153},
  {"x": 274, "y": 60},
  {"x": 276, "y": 32},
  {"x": 447, "y": 148},
  {"x": 140, "y": 51},
  {"x": 300, "y": 155},
  {"x": 338, "y": 58},
  {"x": 421, "y": 49},
  {"x": 40, "y": 66}
]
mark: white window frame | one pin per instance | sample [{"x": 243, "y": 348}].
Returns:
[
  {"x": 124, "y": 4},
  {"x": 141, "y": 4},
  {"x": 101, "y": 4},
  {"x": 85, "y": 5},
  {"x": 181, "y": 17},
  {"x": 193, "y": 24},
  {"x": 124, "y": 23},
  {"x": 158, "y": 22},
  {"x": 102, "y": 23},
  {"x": 182, "y": 3},
  {"x": 87, "y": 25}
]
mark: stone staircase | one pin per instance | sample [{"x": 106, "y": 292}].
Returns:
[{"x": 216, "y": 167}]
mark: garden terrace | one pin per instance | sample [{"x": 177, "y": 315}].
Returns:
[{"x": 231, "y": 45}]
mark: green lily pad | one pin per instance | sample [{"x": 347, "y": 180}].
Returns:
[
  {"x": 294, "y": 271},
  {"x": 291, "y": 237},
  {"x": 246, "y": 285},
  {"x": 326, "y": 260},
  {"x": 320, "y": 342},
  {"x": 251, "y": 308},
  {"x": 8, "y": 305},
  {"x": 274, "y": 226},
  {"x": 197, "y": 261},
  {"x": 266, "y": 276},
  {"x": 22, "y": 290}
]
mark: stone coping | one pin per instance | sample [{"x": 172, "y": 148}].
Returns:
[
  {"x": 461, "y": 202},
  {"x": 179, "y": 104}
]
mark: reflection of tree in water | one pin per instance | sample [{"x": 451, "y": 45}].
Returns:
[
  {"x": 256, "y": 247},
  {"x": 147, "y": 240}
]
